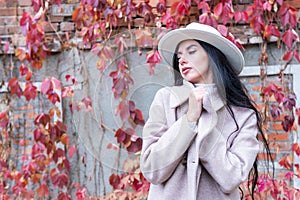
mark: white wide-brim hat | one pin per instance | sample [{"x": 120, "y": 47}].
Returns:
[{"x": 168, "y": 43}]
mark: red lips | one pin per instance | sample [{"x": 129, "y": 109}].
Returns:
[{"x": 185, "y": 70}]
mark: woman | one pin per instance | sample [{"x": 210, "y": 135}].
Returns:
[{"x": 200, "y": 141}]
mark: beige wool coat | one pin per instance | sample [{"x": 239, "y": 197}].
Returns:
[{"x": 206, "y": 161}]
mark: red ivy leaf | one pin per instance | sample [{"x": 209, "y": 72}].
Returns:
[
  {"x": 30, "y": 91},
  {"x": 288, "y": 55},
  {"x": 288, "y": 15},
  {"x": 6, "y": 46},
  {"x": 296, "y": 54},
  {"x": 43, "y": 119},
  {"x": 81, "y": 194},
  {"x": 64, "y": 196},
  {"x": 153, "y": 56},
  {"x": 36, "y": 5},
  {"x": 114, "y": 181},
  {"x": 123, "y": 110},
  {"x": 88, "y": 103},
  {"x": 223, "y": 30},
  {"x": 161, "y": 7},
  {"x": 245, "y": 16},
  {"x": 135, "y": 146},
  {"x": 237, "y": 16},
  {"x": 296, "y": 149},
  {"x": 286, "y": 162},
  {"x": 3, "y": 119},
  {"x": 218, "y": 9},
  {"x": 223, "y": 10},
  {"x": 144, "y": 38},
  {"x": 209, "y": 19},
  {"x": 122, "y": 136},
  {"x": 275, "y": 111},
  {"x": 267, "y": 6},
  {"x": 203, "y": 5},
  {"x": 42, "y": 190},
  {"x": 23, "y": 69},
  {"x": 289, "y": 37},
  {"x": 46, "y": 86},
  {"x": 53, "y": 97},
  {"x": 14, "y": 87},
  {"x": 169, "y": 20},
  {"x": 271, "y": 30},
  {"x": 287, "y": 123},
  {"x": 58, "y": 2},
  {"x": 59, "y": 180},
  {"x": 298, "y": 111},
  {"x": 257, "y": 24},
  {"x": 25, "y": 23}
]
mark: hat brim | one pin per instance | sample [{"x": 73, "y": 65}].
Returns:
[{"x": 168, "y": 43}]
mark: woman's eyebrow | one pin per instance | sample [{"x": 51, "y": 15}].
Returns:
[{"x": 192, "y": 45}]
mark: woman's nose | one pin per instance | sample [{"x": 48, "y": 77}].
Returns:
[{"x": 182, "y": 60}]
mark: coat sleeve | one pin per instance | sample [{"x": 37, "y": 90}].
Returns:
[
  {"x": 230, "y": 165},
  {"x": 163, "y": 146}
]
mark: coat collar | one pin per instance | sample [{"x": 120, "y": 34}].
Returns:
[{"x": 181, "y": 95}]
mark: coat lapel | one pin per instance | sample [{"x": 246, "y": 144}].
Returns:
[{"x": 181, "y": 95}]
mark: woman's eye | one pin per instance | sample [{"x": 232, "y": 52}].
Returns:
[{"x": 192, "y": 52}]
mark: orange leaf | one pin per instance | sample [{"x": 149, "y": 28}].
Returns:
[
  {"x": 64, "y": 139},
  {"x": 75, "y": 14},
  {"x": 20, "y": 53}
]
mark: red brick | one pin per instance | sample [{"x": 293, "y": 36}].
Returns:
[
  {"x": 256, "y": 88},
  {"x": 18, "y": 40},
  {"x": 25, "y": 2},
  {"x": 280, "y": 146},
  {"x": 53, "y": 27},
  {"x": 8, "y": 3},
  {"x": 56, "y": 18},
  {"x": 252, "y": 80},
  {"x": 67, "y": 26},
  {"x": 9, "y": 20},
  {"x": 277, "y": 127},
  {"x": 279, "y": 136},
  {"x": 8, "y": 11},
  {"x": 4, "y": 30},
  {"x": 264, "y": 156}
]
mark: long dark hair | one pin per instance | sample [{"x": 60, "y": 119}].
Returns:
[{"x": 233, "y": 93}]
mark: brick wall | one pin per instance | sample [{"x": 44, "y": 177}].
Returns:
[
  {"x": 22, "y": 114},
  {"x": 280, "y": 141},
  {"x": 60, "y": 22}
]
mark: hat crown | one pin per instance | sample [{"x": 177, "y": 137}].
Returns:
[{"x": 203, "y": 27}]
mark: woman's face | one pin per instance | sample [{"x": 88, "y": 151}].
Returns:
[{"x": 193, "y": 62}]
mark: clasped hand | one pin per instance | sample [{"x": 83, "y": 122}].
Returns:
[{"x": 195, "y": 103}]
